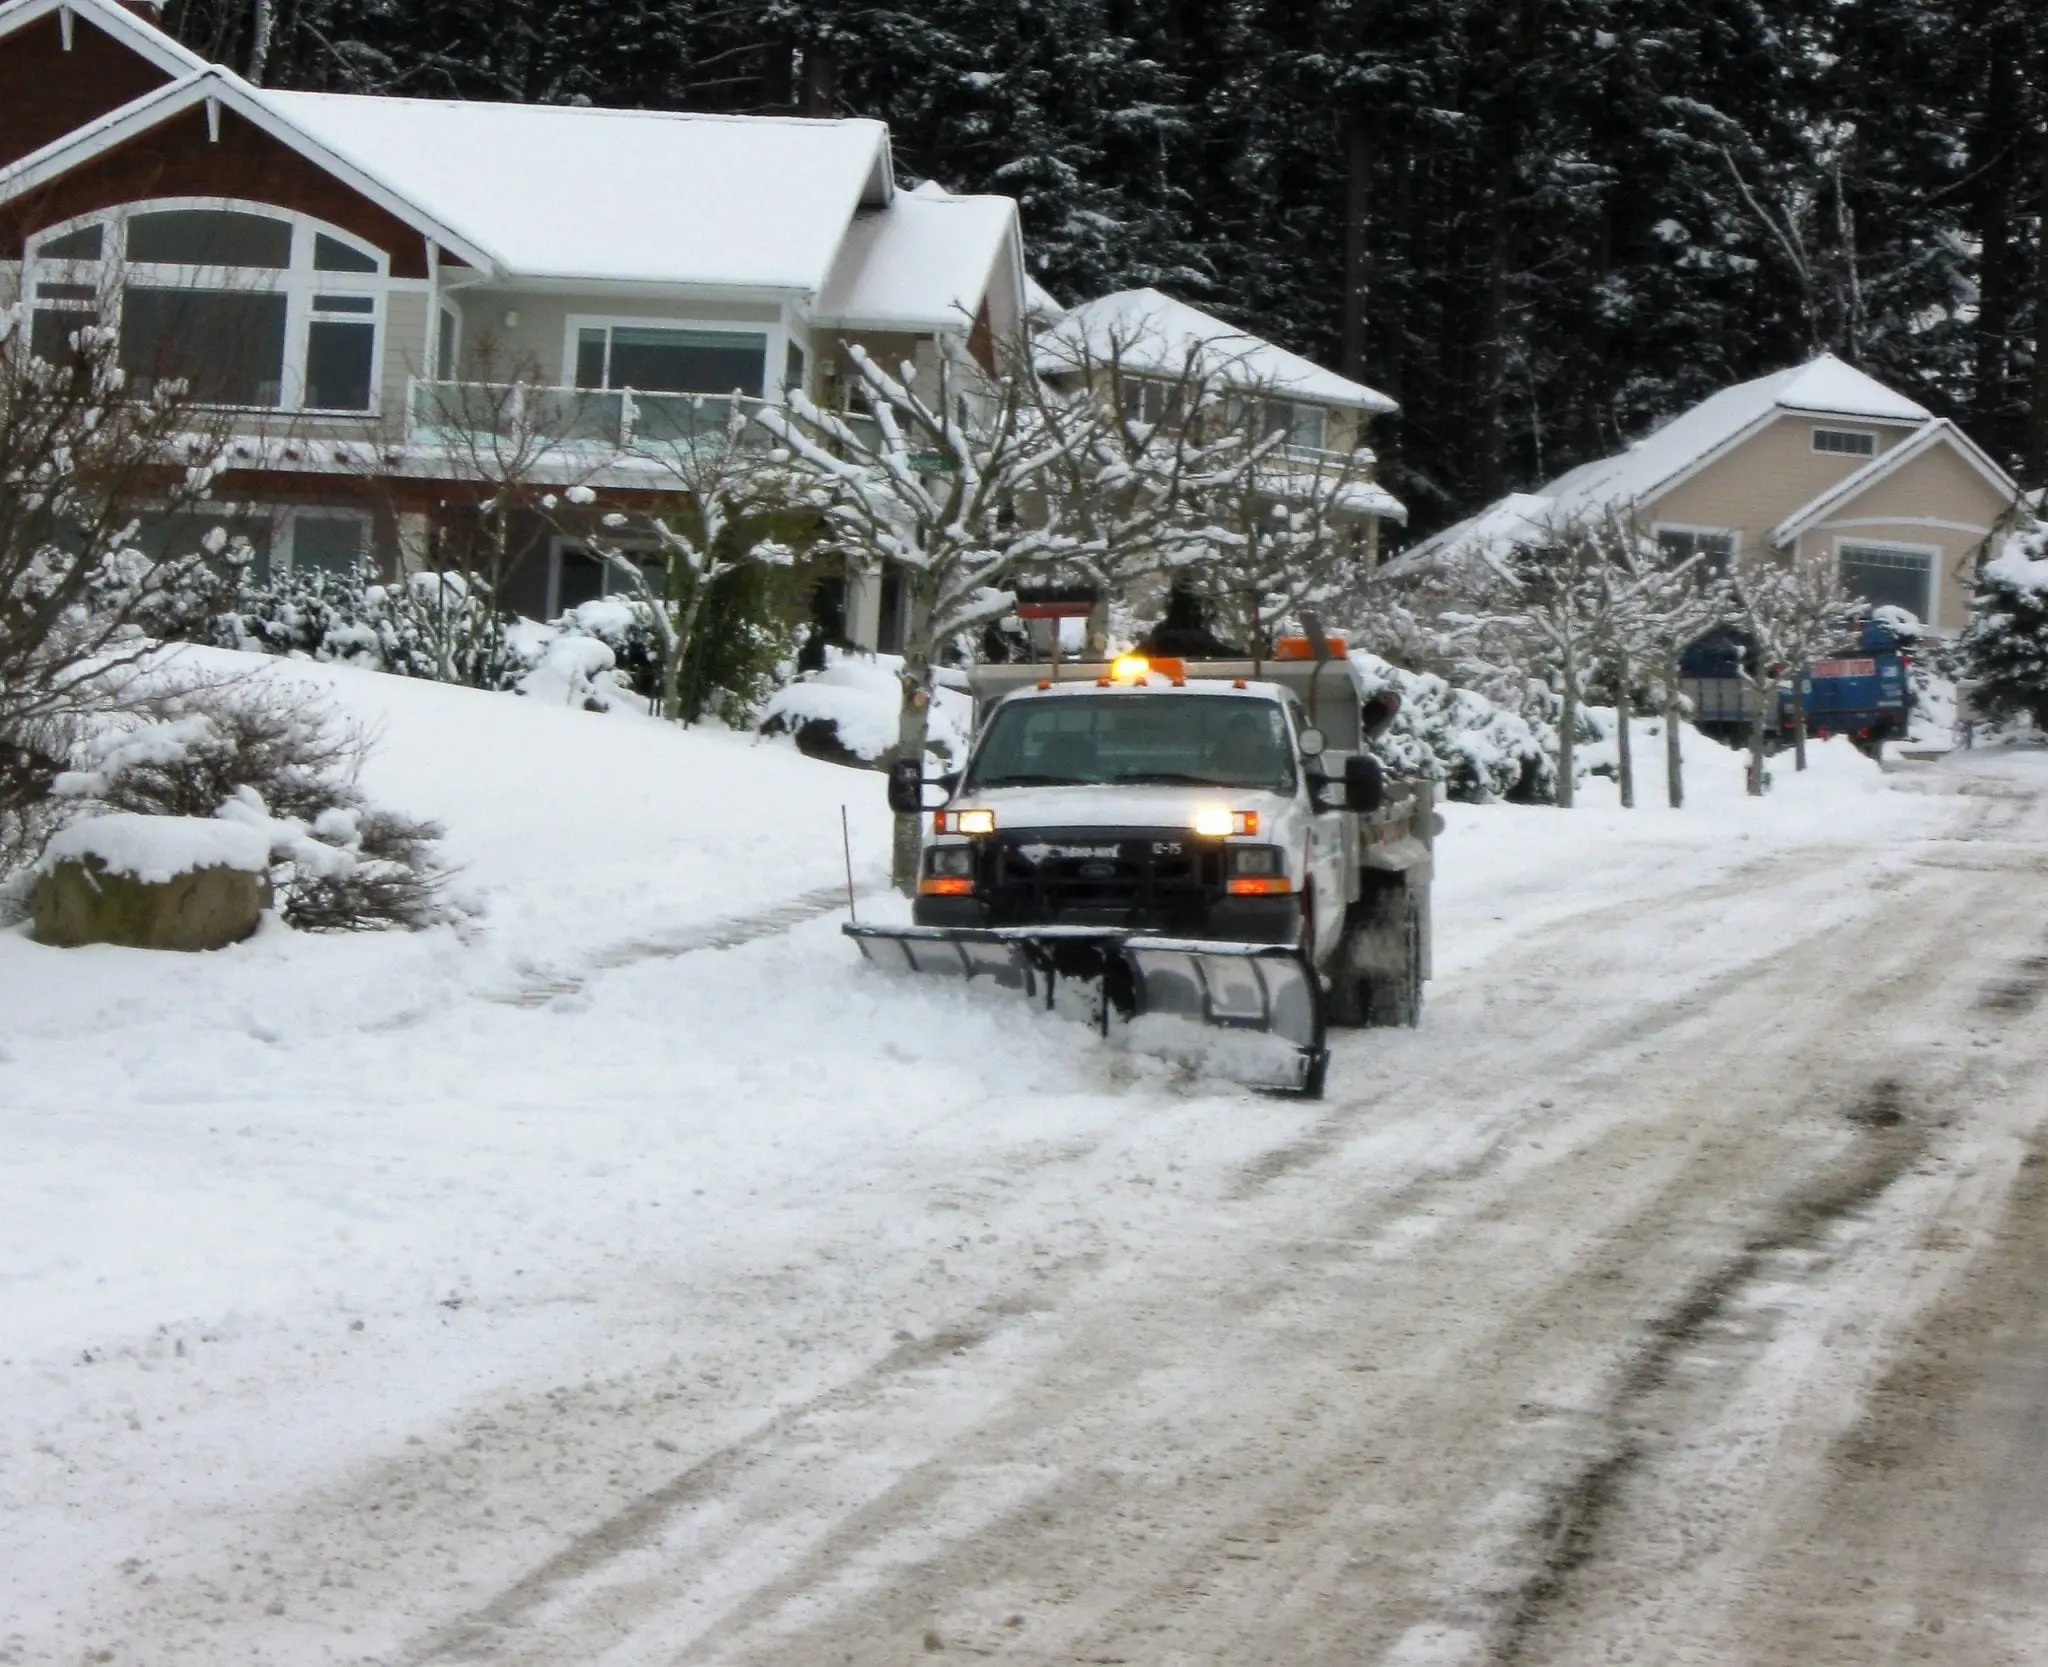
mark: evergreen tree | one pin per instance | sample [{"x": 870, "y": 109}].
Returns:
[{"x": 2004, "y": 649}]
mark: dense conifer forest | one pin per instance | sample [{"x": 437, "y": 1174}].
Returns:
[{"x": 1540, "y": 224}]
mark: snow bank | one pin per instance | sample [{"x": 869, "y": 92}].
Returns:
[{"x": 155, "y": 849}]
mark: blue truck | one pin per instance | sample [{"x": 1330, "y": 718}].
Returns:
[{"x": 1862, "y": 690}]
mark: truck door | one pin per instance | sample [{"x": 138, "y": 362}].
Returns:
[{"x": 1326, "y": 854}]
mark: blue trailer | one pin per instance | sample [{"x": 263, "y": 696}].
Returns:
[{"x": 1861, "y": 690}]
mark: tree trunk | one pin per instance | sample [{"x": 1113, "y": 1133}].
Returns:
[
  {"x": 259, "y": 40},
  {"x": 1798, "y": 717},
  {"x": 1357, "y": 247},
  {"x": 1567, "y": 736},
  {"x": 913, "y": 723},
  {"x": 1624, "y": 743},
  {"x": 679, "y": 650},
  {"x": 2037, "y": 427},
  {"x": 1756, "y": 750},
  {"x": 1674, "y": 751}
]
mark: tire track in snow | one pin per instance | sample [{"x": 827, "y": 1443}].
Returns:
[{"x": 541, "y": 987}]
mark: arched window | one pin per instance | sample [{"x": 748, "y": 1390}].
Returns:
[{"x": 250, "y": 305}]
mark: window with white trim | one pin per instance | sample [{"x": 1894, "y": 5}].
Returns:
[
  {"x": 1845, "y": 442},
  {"x": 250, "y": 305},
  {"x": 1890, "y": 575},
  {"x": 671, "y": 359}
]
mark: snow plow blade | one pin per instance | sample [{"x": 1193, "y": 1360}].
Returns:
[{"x": 1259, "y": 1003}]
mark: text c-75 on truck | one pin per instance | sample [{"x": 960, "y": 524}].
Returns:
[{"x": 1207, "y": 839}]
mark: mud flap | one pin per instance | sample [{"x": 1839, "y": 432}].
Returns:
[{"x": 1256, "y": 1010}]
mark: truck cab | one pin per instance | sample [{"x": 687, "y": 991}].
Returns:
[{"x": 1221, "y": 801}]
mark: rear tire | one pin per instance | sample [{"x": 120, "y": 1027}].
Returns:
[{"x": 1376, "y": 979}]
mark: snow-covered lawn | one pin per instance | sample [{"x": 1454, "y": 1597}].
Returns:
[{"x": 267, "y": 1214}]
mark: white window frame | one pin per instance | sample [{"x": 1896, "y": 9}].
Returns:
[
  {"x": 298, "y": 282},
  {"x": 1813, "y": 440},
  {"x": 1934, "y": 553},
  {"x": 774, "y": 330}
]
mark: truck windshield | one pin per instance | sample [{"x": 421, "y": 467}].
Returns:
[{"x": 1135, "y": 739}]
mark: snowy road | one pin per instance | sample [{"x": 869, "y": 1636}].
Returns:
[{"x": 1671, "y": 1295}]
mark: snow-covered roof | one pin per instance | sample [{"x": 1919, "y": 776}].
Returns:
[
  {"x": 1039, "y": 305},
  {"x": 1824, "y": 387},
  {"x": 136, "y": 33},
  {"x": 1154, "y": 334},
  {"x": 923, "y": 263},
  {"x": 214, "y": 86},
  {"x": 633, "y": 196}
]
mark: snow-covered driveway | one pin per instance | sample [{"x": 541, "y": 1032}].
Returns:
[{"x": 640, "y": 1281}]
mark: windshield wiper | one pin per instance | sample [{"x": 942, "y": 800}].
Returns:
[
  {"x": 1167, "y": 778},
  {"x": 1034, "y": 781}
]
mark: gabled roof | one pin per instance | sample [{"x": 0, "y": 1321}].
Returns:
[
  {"x": 922, "y": 264},
  {"x": 229, "y": 91},
  {"x": 632, "y": 196},
  {"x": 144, "y": 39},
  {"x": 1938, "y": 433},
  {"x": 540, "y": 192},
  {"x": 1154, "y": 334},
  {"x": 1821, "y": 387}
]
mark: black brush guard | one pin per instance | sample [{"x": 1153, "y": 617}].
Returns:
[{"x": 1254, "y": 989}]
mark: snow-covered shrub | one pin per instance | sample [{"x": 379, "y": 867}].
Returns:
[
  {"x": 439, "y": 626},
  {"x": 2004, "y": 648},
  {"x": 849, "y": 712},
  {"x": 273, "y": 759},
  {"x": 1478, "y": 750}
]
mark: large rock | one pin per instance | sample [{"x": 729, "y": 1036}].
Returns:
[
  {"x": 152, "y": 882},
  {"x": 80, "y": 902}
]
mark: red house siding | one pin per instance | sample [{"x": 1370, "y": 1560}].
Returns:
[
  {"x": 46, "y": 92},
  {"x": 177, "y": 159}
]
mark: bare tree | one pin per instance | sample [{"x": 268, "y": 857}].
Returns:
[
  {"x": 964, "y": 483},
  {"x": 84, "y": 458},
  {"x": 1279, "y": 529},
  {"x": 725, "y": 497},
  {"x": 1558, "y": 601}
]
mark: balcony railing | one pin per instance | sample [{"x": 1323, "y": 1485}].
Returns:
[{"x": 613, "y": 420}]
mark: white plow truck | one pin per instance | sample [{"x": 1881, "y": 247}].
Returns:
[{"x": 1207, "y": 840}]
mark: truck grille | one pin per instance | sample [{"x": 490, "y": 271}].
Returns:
[{"x": 1159, "y": 880}]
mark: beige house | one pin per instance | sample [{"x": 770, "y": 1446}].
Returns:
[{"x": 1817, "y": 459}]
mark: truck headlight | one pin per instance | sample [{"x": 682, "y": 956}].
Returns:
[
  {"x": 950, "y": 859},
  {"x": 964, "y": 821},
  {"x": 1219, "y": 822}
]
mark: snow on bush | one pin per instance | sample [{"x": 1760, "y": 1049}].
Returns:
[
  {"x": 859, "y": 697},
  {"x": 270, "y": 773},
  {"x": 2004, "y": 648},
  {"x": 439, "y": 626},
  {"x": 1478, "y": 750}
]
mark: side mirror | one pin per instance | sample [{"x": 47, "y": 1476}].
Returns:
[
  {"x": 1365, "y": 783},
  {"x": 906, "y": 786}
]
